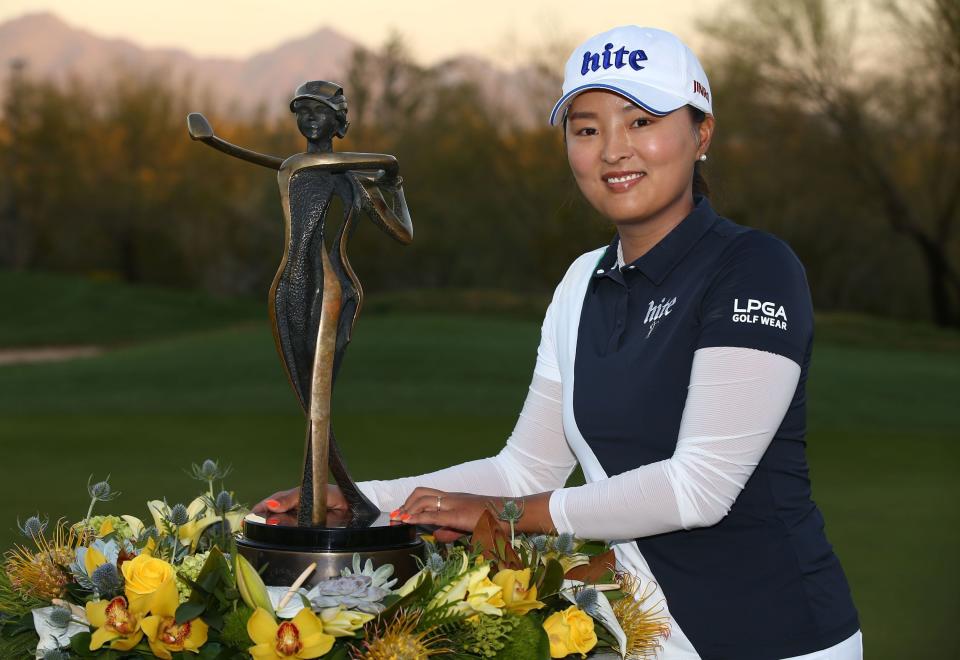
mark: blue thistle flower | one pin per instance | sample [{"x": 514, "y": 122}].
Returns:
[
  {"x": 106, "y": 580},
  {"x": 101, "y": 490},
  {"x": 60, "y": 617},
  {"x": 33, "y": 527},
  {"x": 178, "y": 515},
  {"x": 540, "y": 543},
  {"x": 564, "y": 543},
  {"x": 209, "y": 471},
  {"x": 587, "y": 600},
  {"x": 435, "y": 563},
  {"x": 223, "y": 502}
]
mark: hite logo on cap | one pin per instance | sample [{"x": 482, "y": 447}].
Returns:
[
  {"x": 591, "y": 61},
  {"x": 701, "y": 90}
]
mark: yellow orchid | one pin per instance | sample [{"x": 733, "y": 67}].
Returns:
[
  {"x": 473, "y": 593},
  {"x": 341, "y": 622},
  {"x": 519, "y": 597},
  {"x": 415, "y": 581},
  {"x": 148, "y": 583},
  {"x": 164, "y": 634},
  {"x": 303, "y": 637},
  {"x": 115, "y": 624},
  {"x": 200, "y": 517}
]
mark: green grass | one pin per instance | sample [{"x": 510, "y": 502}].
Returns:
[
  {"x": 420, "y": 391},
  {"x": 51, "y": 309}
]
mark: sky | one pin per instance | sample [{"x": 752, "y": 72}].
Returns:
[{"x": 500, "y": 30}]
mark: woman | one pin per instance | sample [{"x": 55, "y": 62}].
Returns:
[{"x": 688, "y": 339}]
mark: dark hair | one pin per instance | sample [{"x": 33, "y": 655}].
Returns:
[{"x": 700, "y": 186}]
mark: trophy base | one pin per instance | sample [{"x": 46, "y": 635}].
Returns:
[{"x": 282, "y": 552}]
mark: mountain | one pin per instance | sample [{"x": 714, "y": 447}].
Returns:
[{"x": 51, "y": 49}]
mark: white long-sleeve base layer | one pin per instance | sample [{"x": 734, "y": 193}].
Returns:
[{"x": 736, "y": 399}]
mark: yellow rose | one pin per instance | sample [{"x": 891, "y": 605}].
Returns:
[
  {"x": 570, "y": 631},
  {"x": 147, "y": 579},
  {"x": 518, "y": 596}
]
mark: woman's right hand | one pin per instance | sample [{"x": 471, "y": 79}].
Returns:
[{"x": 288, "y": 500}]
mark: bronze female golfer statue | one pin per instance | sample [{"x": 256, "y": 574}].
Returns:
[{"x": 315, "y": 296}]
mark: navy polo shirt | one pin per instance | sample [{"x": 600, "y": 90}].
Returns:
[{"x": 764, "y": 582}]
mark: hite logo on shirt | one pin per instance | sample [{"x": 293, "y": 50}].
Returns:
[
  {"x": 656, "y": 312},
  {"x": 770, "y": 313}
]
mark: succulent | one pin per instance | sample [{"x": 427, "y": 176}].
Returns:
[
  {"x": 355, "y": 592},
  {"x": 379, "y": 577}
]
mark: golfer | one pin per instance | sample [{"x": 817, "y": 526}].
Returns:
[{"x": 672, "y": 367}]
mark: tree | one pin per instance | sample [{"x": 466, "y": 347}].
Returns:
[{"x": 894, "y": 113}]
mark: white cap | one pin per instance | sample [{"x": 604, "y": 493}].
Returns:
[{"x": 651, "y": 67}]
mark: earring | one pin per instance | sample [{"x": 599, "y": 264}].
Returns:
[{"x": 703, "y": 157}]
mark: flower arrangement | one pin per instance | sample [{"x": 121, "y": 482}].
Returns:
[{"x": 113, "y": 587}]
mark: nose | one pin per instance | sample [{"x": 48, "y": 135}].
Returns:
[{"x": 616, "y": 144}]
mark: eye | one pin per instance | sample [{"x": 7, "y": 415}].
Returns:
[
  {"x": 587, "y": 130},
  {"x": 640, "y": 122}
]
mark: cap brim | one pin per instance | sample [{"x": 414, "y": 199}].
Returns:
[
  {"x": 651, "y": 99},
  {"x": 314, "y": 97}
]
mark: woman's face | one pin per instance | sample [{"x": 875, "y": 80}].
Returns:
[
  {"x": 316, "y": 120},
  {"x": 633, "y": 166}
]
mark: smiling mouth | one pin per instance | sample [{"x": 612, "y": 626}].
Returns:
[
  {"x": 624, "y": 178},
  {"x": 620, "y": 181}
]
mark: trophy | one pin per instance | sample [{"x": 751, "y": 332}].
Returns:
[{"x": 315, "y": 299}]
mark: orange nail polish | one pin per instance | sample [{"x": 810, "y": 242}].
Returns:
[
  {"x": 273, "y": 504},
  {"x": 405, "y": 516},
  {"x": 273, "y": 521},
  {"x": 395, "y": 513}
]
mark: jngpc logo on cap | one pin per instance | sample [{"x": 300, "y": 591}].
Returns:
[{"x": 651, "y": 67}]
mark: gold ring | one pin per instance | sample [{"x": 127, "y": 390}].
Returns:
[{"x": 439, "y": 497}]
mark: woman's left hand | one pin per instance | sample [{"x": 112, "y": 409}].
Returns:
[{"x": 454, "y": 514}]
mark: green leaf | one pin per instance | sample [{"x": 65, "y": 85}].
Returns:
[
  {"x": 209, "y": 651},
  {"x": 189, "y": 610},
  {"x": 80, "y": 643},
  {"x": 552, "y": 579},
  {"x": 214, "y": 620},
  {"x": 423, "y": 590},
  {"x": 543, "y": 645},
  {"x": 338, "y": 652}
]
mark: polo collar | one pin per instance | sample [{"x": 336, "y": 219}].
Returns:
[{"x": 663, "y": 257}]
